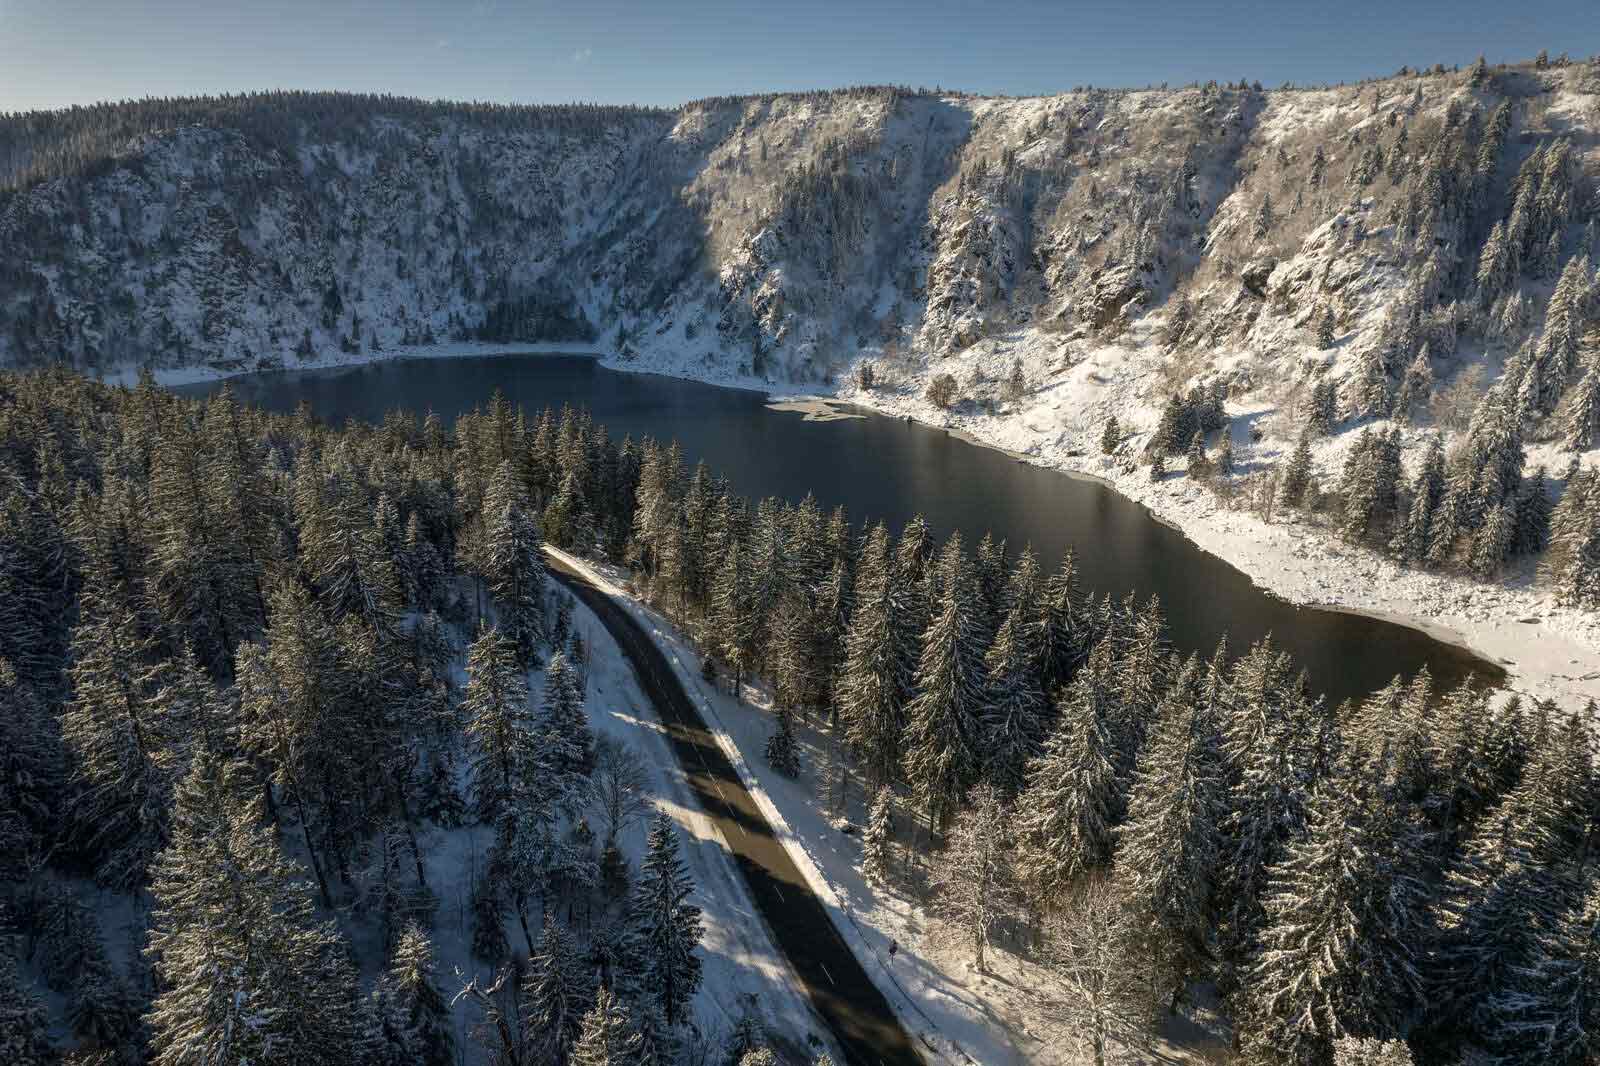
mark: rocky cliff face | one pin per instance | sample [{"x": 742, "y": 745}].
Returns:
[{"x": 783, "y": 236}]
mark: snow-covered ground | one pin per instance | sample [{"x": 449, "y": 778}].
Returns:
[{"x": 996, "y": 1019}]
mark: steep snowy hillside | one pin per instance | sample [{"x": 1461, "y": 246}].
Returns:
[{"x": 1404, "y": 261}]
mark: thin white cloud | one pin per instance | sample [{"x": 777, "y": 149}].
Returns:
[{"x": 583, "y": 55}]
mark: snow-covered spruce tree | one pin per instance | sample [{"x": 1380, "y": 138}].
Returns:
[
  {"x": 522, "y": 859},
  {"x": 1198, "y": 466},
  {"x": 1166, "y": 857},
  {"x": 568, "y": 740},
  {"x": 1346, "y": 912},
  {"x": 782, "y": 751},
  {"x": 664, "y": 928},
  {"x": 791, "y": 659},
  {"x": 770, "y": 574},
  {"x": 1014, "y": 723},
  {"x": 556, "y": 994},
  {"x": 989, "y": 587},
  {"x": 341, "y": 552},
  {"x": 1266, "y": 729},
  {"x": 1370, "y": 486},
  {"x": 1225, "y": 452},
  {"x": 1492, "y": 544},
  {"x": 499, "y": 723},
  {"x": 1321, "y": 405},
  {"x": 1581, "y": 422},
  {"x": 1142, "y": 670},
  {"x": 1550, "y": 1010},
  {"x": 514, "y": 563},
  {"x": 124, "y": 747},
  {"x": 1370, "y": 393},
  {"x": 1494, "y": 265},
  {"x": 943, "y": 726},
  {"x": 660, "y": 477},
  {"x": 1111, "y": 436},
  {"x": 32, "y": 768},
  {"x": 421, "y": 1014},
  {"x": 876, "y": 674},
  {"x": 733, "y": 616},
  {"x": 247, "y": 973},
  {"x": 1507, "y": 884},
  {"x": 1297, "y": 474},
  {"x": 972, "y": 878},
  {"x": 1572, "y": 527},
  {"x": 877, "y": 843},
  {"x": 295, "y": 719},
  {"x": 608, "y": 1037},
  {"x": 1062, "y": 631},
  {"x": 1416, "y": 387},
  {"x": 567, "y": 521},
  {"x": 1265, "y": 218},
  {"x": 1325, "y": 329},
  {"x": 1411, "y": 537},
  {"x": 199, "y": 581},
  {"x": 1072, "y": 797},
  {"x": 1533, "y": 515},
  {"x": 105, "y": 1014},
  {"x": 1169, "y": 435}
]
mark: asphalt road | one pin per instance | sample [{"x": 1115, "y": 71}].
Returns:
[{"x": 863, "y": 1025}]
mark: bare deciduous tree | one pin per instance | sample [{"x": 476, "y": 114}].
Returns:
[
  {"x": 617, "y": 786},
  {"x": 973, "y": 880},
  {"x": 1103, "y": 994}
]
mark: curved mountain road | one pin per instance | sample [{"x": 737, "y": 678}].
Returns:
[{"x": 863, "y": 1024}]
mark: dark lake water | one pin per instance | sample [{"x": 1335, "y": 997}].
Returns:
[{"x": 883, "y": 468}]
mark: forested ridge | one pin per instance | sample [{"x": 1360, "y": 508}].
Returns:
[{"x": 233, "y": 691}]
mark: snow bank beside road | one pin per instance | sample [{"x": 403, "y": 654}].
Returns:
[{"x": 962, "y": 1018}]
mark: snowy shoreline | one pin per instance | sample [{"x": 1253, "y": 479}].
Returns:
[{"x": 1547, "y": 651}]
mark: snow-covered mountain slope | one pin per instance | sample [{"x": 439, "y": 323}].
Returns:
[{"x": 785, "y": 234}]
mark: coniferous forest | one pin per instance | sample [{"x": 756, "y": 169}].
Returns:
[{"x": 248, "y": 658}]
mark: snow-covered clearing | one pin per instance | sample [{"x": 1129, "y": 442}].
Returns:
[{"x": 992, "y": 1019}]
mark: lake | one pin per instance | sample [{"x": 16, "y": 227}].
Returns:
[{"x": 884, "y": 468}]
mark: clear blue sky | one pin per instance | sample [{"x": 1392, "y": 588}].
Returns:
[{"x": 59, "y": 52}]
